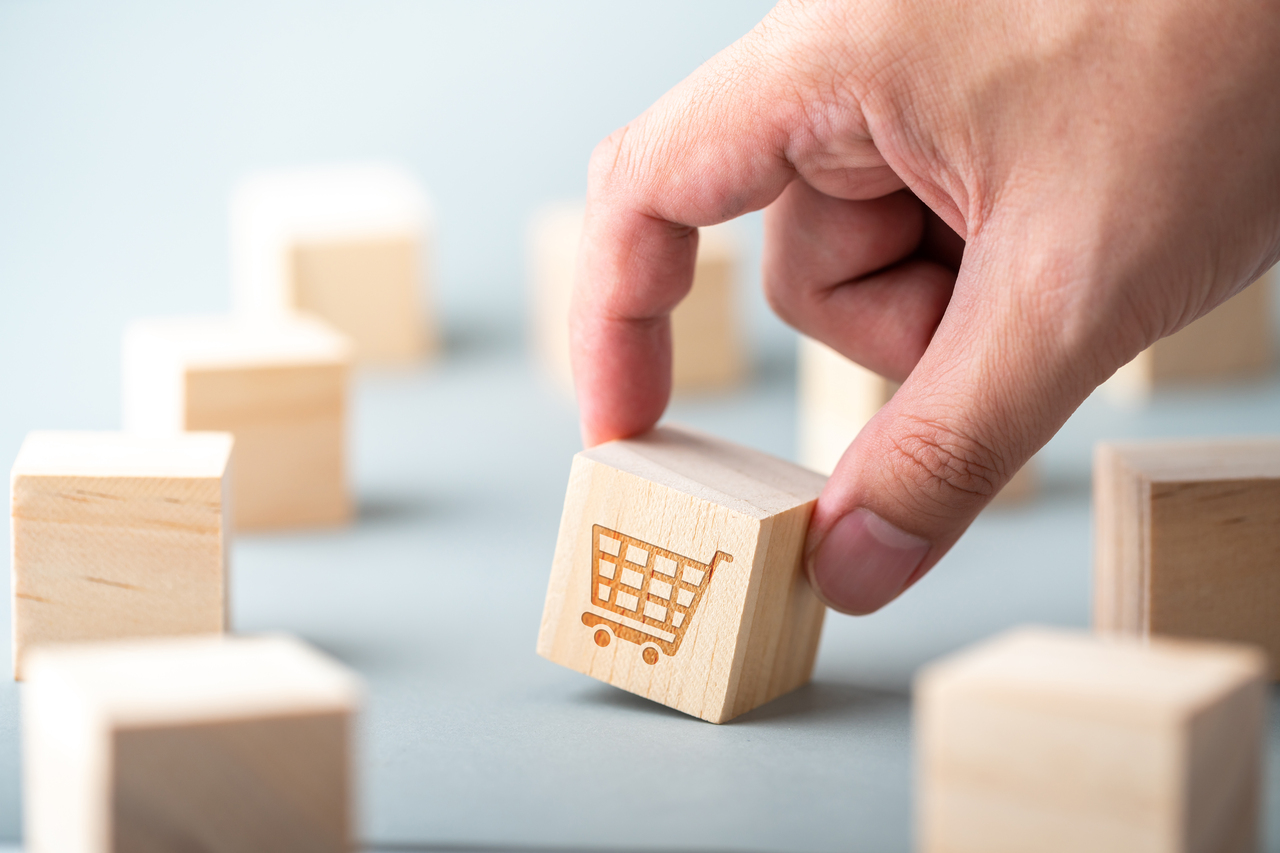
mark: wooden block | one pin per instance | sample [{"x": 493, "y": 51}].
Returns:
[
  {"x": 678, "y": 576},
  {"x": 349, "y": 245},
  {"x": 837, "y": 397},
  {"x": 1235, "y": 341},
  {"x": 213, "y": 744},
  {"x": 118, "y": 536},
  {"x": 280, "y": 387},
  {"x": 706, "y": 330},
  {"x": 1060, "y": 742},
  {"x": 1187, "y": 540}
]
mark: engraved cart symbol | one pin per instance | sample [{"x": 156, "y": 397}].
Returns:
[{"x": 653, "y": 592}]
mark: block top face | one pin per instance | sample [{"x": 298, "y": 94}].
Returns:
[
  {"x": 1207, "y": 460},
  {"x": 1086, "y": 675},
  {"x": 332, "y": 202},
  {"x": 182, "y": 680},
  {"x": 230, "y": 342},
  {"x": 118, "y": 454},
  {"x": 738, "y": 478}
]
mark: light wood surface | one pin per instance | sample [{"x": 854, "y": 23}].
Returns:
[
  {"x": 677, "y": 573},
  {"x": 117, "y": 535},
  {"x": 1234, "y": 341},
  {"x": 837, "y": 397},
  {"x": 350, "y": 245},
  {"x": 215, "y": 744},
  {"x": 279, "y": 386},
  {"x": 706, "y": 329},
  {"x": 1188, "y": 540},
  {"x": 1057, "y": 741}
]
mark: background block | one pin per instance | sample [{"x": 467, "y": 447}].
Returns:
[
  {"x": 280, "y": 387},
  {"x": 118, "y": 536},
  {"x": 678, "y": 576},
  {"x": 218, "y": 744},
  {"x": 1052, "y": 741},
  {"x": 706, "y": 329},
  {"x": 836, "y": 397},
  {"x": 1188, "y": 540},
  {"x": 1232, "y": 342},
  {"x": 350, "y": 245}
]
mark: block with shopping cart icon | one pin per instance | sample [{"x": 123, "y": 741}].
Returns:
[
  {"x": 678, "y": 574},
  {"x": 651, "y": 593}
]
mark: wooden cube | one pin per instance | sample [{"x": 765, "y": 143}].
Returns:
[
  {"x": 118, "y": 536},
  {"x": 280, "y": 387},
  {"x": 678, "y": 576},
  {"x": 1234, "y": 341},
  {"x": 349, "y": 245},
  {"x": 1060, "y": 742},
  {"x": 837, "y": 397},
  {"x": 214, "y": 744},
  {"x": 1187, "y": 540},
  {"x": 706, "y": 331}
]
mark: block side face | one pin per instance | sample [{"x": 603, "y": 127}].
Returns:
[
  {"x": 669, "y": 624},
  {"x": 103, "y": 558},
  {"x": 1233, "y": 340},
  {"x": 266, "y": 784},
  {"x": 290, "y": 440},
  {"x": 780, "y": 642},
  {"x": 837, "y": 397},
  {"x": 368, "y": 288},
  {"x": 706, "y": 329},
  {"x": 1227, "y": 742},
  {"x": 1121, "y": 531},
  {"x": 999, "y": 776},
  {"x": 1215, "y": 562},
  {"x": 739, "y": 478}
]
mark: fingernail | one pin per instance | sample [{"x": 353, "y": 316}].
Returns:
[{"x": 864, "y": 562}]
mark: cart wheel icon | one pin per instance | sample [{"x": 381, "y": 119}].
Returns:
[
  {"x": 602, "y": 637},
  {"x": 650, "y": 655}
]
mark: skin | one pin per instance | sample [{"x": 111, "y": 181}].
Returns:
[{"x": 997, "y": 202}]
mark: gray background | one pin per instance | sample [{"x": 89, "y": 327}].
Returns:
[{"x": 122, "y": 127}]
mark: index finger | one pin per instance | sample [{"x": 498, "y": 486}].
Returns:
[{"x": 722, "y": 143}]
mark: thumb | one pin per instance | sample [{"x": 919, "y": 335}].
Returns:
[{"x": 1016, "y": 352}]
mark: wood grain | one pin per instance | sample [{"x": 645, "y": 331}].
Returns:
[
  {"x": 118, "y": 536},
  {"x": 734, "y": 513},
  {"x": 1057, "y": 741},
  {"x": 279, "y": 386},
  {"x": 215, "y": 744},
  {"x": 1188, "y": 540},
  {"x": 350, "y": 245}
]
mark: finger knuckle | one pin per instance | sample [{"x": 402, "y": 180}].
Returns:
[{"x": 947, "y": 467}]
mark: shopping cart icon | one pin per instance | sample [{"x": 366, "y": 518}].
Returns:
[{"x": 652, "y": 592}]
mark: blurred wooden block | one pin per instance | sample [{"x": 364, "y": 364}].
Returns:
[
  {"x": 1232, "y": 342},
  {"x": 280, "y": 387},
  {"x": 212, "y": 744},
  {"x": 837, "y": 397},
  {"x": 117, "y": 536},
  {"x": 349, "y": 245},
  {"x": 706, "y": 330},
  {"x": 1188, "y": 540},
  {"x": 1060, "y": 742},
  {"x": 678, "y": 576}
]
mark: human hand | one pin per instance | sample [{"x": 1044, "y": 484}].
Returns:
[{"x": 998, "y": 203}]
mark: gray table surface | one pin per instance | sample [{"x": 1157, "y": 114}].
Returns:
[{"x": 470, "y": 740}]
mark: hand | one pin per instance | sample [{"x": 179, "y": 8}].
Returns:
[{"x": 997, "y": 202}]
